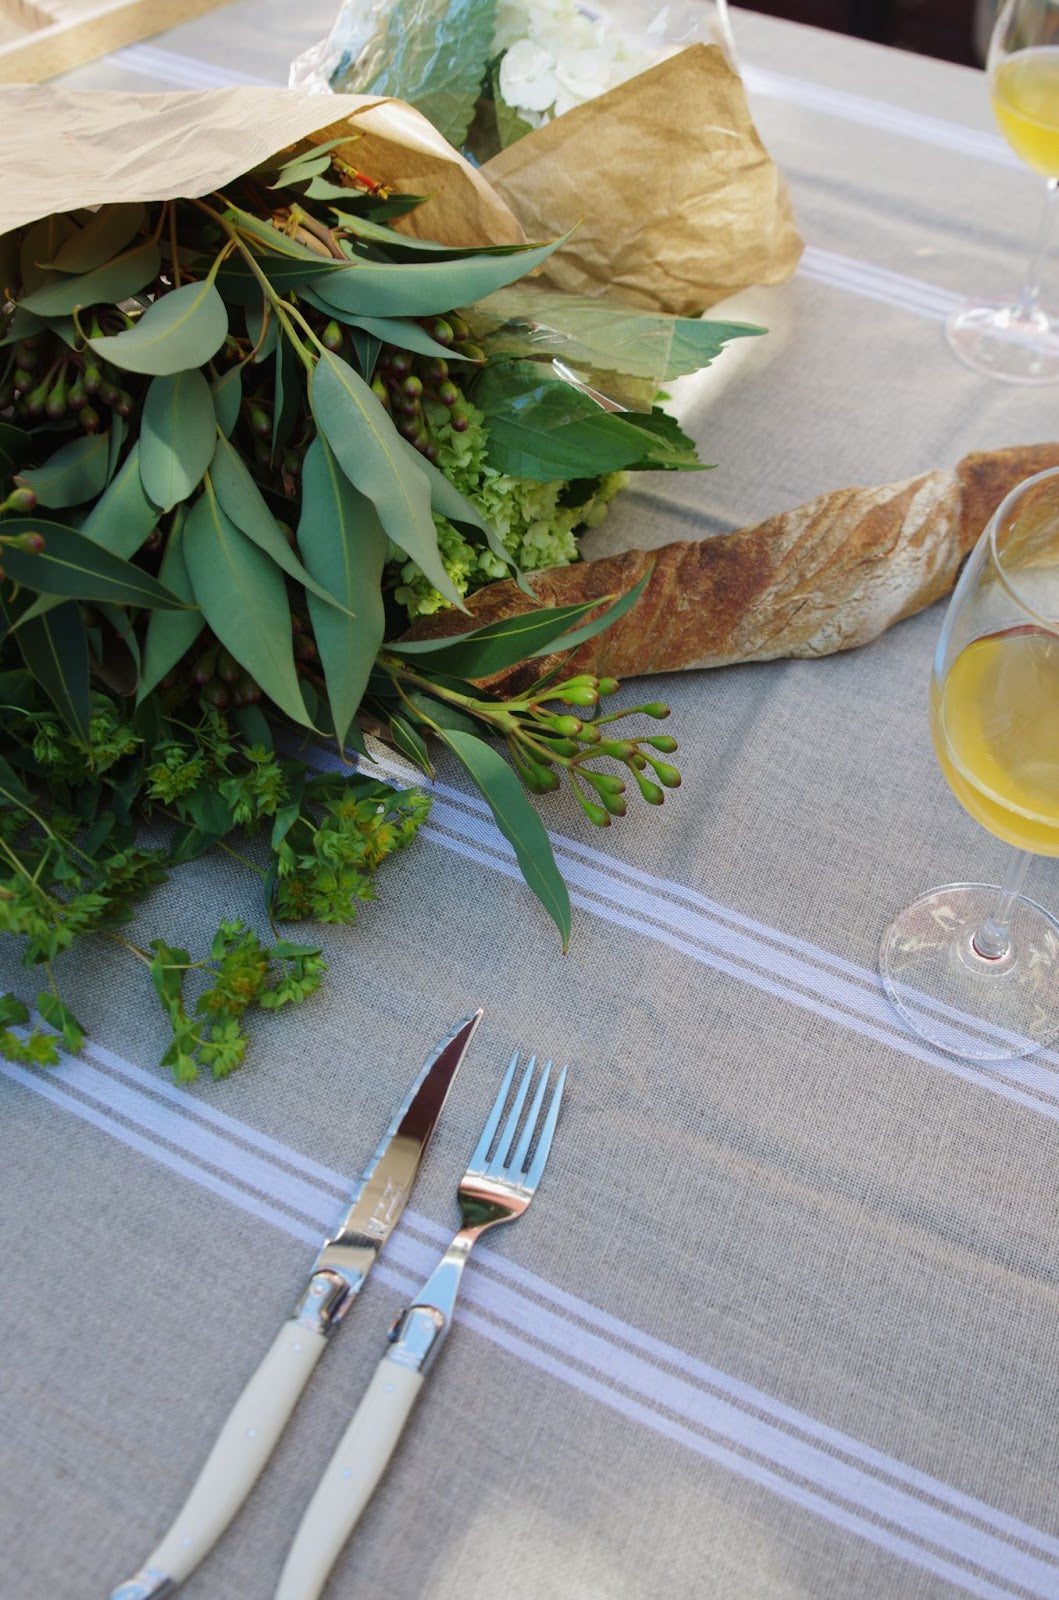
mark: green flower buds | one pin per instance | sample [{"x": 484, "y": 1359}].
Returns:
[
  {"x": 442, "y": 332},
  {"x": 205, "y": 667},
  {"x": 228, "y": 667},
  {"x": 88, "y": 418},
  {"x": 595, "y": 813},
  {"x": 666, "y": 775},
  {"x": 662, "y": 741},
  {"x": 19, "y": 501},
  {"x": 580, "y": 694},
  {"x": 55, "y": 405},
  {"x": 473, "y": 352},
  {"x": 608, "y": 686},
  {"x": 447, "y": 393},
  {"x": 33, "y": 543},
  {"x": 650, "y": 791},
  {"x": 331, "y": 338}
]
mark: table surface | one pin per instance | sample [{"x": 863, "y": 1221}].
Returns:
[{"x": 782, "y": 1321}]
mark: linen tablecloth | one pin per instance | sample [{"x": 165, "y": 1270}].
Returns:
[{"x": 782, "y": 1321}]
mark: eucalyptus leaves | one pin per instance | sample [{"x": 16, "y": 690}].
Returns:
[{"x": 220, "y": 423}]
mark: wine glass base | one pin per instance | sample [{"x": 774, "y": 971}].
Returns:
[
  {"x": 963, "y": 1003},
  {"x": 1003, "y": 342}
]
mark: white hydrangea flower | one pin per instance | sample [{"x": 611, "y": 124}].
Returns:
[
  {"x": 528, "y": 78},
  {"x": 556, "y": 57}
]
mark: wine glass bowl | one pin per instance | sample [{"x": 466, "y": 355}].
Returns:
[
  {"x": 972, "y": 967},
  {"x": 1019, "y": 341}
]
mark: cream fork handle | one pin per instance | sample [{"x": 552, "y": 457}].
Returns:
[{"x": 349, "y": 1479}]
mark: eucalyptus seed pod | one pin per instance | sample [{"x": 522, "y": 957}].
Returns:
[
  {"x": 205, "y": 666},
  {"x": 580, "y": 694},
  {"x": 565, "y": 727},
  {"x": 442, "y": 331},
  {"x": 668, "y": 776},
  {"x": 331, "y": 338},
  {"x": 27, "y": 355},
  {"x": 32, "y": 543},
  {"x": 23, "y": 379},
  {"x": 473, "y": 352},
  {"x": 216, "y": 694},
  {"x": 607, "y": 686},
  {"x": 650, "y": 791},
  {"x": 92, "y": 378},
  {"x": 260, "y": 421},
  {"x": 430, "y": 450},
  {"x": 459, "y": 421},
  {"x": 593, "y": 812},
  {"x": 228, "y": 667},
  {"x": 247, "y": 692},
  {"x": 460, "y": 330},
  {"x": 399, "y": 362},
  {"x": 380, "y": 390},
  {"x": 77, "y": 398},
  {"x": 662, "y": 741},
  {"x": 55, "y": 405},
  {"x": 37, "y": 398},
  {"x": 447, "y": 394},
  {"x": 435, "y": 370},
  {"x": 20, "y": 501},
  {"x": 88, "y": 418},
  {"x": 412, "y": 387}
]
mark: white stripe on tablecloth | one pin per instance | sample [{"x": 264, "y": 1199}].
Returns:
[
  {"x": 850, "y": 1484},
  {"x": 848, "y": 107},
  {"x": 792, "y": 969}
]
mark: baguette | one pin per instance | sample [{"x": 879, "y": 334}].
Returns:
[{"x": 830, "y": 575}]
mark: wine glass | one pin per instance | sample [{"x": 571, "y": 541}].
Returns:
[
  {"x": 1020, "y": 342},
  {"x": 971, "y": 967}
]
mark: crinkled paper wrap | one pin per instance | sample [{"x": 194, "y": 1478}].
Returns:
[
  {"x": 675, "y": 202},
  {"x": 61, "y": 150}
]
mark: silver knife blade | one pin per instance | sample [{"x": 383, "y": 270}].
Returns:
[{"x": 375, "y": 1206}]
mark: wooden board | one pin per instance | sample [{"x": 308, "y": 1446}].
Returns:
[{"x": 39, "y": 38}]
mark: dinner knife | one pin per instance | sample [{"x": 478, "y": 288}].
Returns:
[{"x": 257, "y": 1419}]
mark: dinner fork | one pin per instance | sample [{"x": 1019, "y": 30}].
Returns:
[{"x": 501, "y": 1180}]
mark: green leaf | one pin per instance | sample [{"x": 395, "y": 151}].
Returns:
[
  {"x": 543, "y": 428},
  {"x": 344, "y": 546},
  {"x": 529, "y": 319},
  {"x": 12, "y": 788},
  {"x": 177, "y": 436},
  {"x": 371, "y": 453},
  {"x": 122, "y": 518},
  {"x": 75, "y": 473},
  {"x": 62, "y": 1019},
  {"x": 517, "y": 821},
  {"x": 432, "y": 53},
  {"x": 102, "y": 236},
  {"x": 106, "y": 285},
  {"x": 589, "y": 630},
  {"x": 244, "y": 600},
  {"x": 408, "y": 741},
  {"x": 181, "y": 329},
  {"x": 15, "y": 445},
  {"x": 21, "y": 325},
  {"x": 227, "y": 398},
  {"x": 40, "y": 244},
  {"x": 170, "y": 634},
  {"x": 55, "y": 649},
  {"x": 496, "y": 645},
  {"x": 241, "y": 498},
  {"x": 71, "y": 564},
  {"x": 418, "y": 288},
  {"x": 447, "y": 501}
]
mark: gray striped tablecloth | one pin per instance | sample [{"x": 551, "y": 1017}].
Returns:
[{"x": 783, "y": 1320}]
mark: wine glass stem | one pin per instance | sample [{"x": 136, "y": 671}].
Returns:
[
  {"x": 1031, "y": 289},
  {"x": 992, "y": 940}
]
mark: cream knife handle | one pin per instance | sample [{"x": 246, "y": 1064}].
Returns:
[
  {"x": 349, "y": 1479},
  {"x": 234, "y": 1464}
]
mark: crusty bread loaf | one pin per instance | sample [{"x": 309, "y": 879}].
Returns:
[{"x": 829, "y": 575}]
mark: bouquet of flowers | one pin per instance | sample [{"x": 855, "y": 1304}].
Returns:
[{"x": 243, "y": 431}]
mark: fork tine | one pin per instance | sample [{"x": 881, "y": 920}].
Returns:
[
  {"x": 518, "y": 1160},
  {"x": 481, "y": 1149},
  {"x": 544, "y": 1144},
  {"x": 507, "y": 1133}
]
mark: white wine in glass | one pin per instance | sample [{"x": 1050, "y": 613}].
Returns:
[
  {"x": 972, "y": 967},
  {"x": 1020, "y": 341}
]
